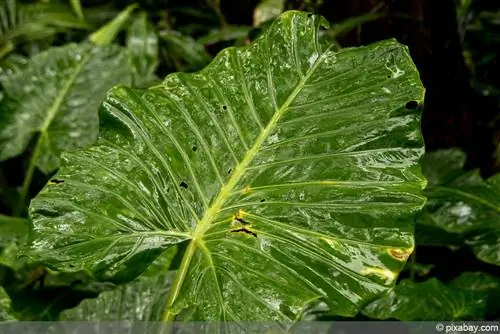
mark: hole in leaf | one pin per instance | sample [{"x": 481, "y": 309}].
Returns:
[
  {"x": 412, "y": 105},
  {"x": 56, "y": 181},
  {"x": 183, "y": 185},
  {"x": 194, "y": 148},
  {"x": 263, "y": 200},
  {"x": 229, "y": 171},
  {"x": 224, "y": 107},
  {"x": 244, "y": 230}
]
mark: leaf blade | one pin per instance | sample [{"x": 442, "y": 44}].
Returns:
[{"x": 198, "y": 154}]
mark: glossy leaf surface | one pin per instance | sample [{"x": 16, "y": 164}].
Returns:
[
  {"x": 462, "y": 204},
  {"x": 291, "y": 170},
  {"x": 468, "y": 297},
  {"x": 53, "y": 98}
]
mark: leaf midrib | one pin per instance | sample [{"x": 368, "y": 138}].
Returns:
[
  {"x": 51, "y": 114},
  {"x": 226, "y": 191}
]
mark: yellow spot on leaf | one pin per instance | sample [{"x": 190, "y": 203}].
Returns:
[
  {"x": 384, "y": 273},
  {"x": 400, "y": 254}
]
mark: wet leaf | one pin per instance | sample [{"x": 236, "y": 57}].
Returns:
[
  {"x": 290, "y": 170},
  {"x": 462, "y": 204},
  {"x": 468, "y": 297},
  {"x": 52, "y": 104}
]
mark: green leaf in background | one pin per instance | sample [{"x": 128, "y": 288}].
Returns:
[
  {"x": 139, "y": 300},
  {"x": 12, "y": 64},
  {"x": 77, "y": 8},
  {"x": 462, "y": 203},
  {"x": 21, "y": 23},
  {"x": 186, "y": 53},
  {"x": 13, "y": 233},
  {"x": 228, "y": 33},
  {"x": 6, "y": 313},
  {"x": 38, "y": 295},
  {"x": 52, "y": 103},
  {"x": 267, "y": 10},
  {"x": 290, "y": 170},
  {"x": 142, "y": 44},
  {"x": 107, "y": 34},
  {"x": 468, "y": 297}
]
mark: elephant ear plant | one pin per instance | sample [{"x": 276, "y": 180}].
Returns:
[{"x": 286, "y": 172}]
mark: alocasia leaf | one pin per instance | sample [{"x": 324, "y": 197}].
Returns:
[
  {"x": 290, "y": 170},
  {"x": 462, "y": 204},
  {"x": 54, "y": 100},
  {"x": 467, "y": 297}
]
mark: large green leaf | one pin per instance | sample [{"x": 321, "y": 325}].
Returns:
[
  {"x": 54, "y": 102},
  {"x": 462, "y": 204},
  {"x": 291, "y": 170},
  {"x": 471, "y": 296}
]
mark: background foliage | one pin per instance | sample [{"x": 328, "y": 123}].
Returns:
[{"x": 453, "y": 43}]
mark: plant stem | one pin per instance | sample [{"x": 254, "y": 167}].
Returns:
[
  {"x": 6, "y": 49},
  {"x": 168, "y": 315},
  {"x": 29, "y": 177}
]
